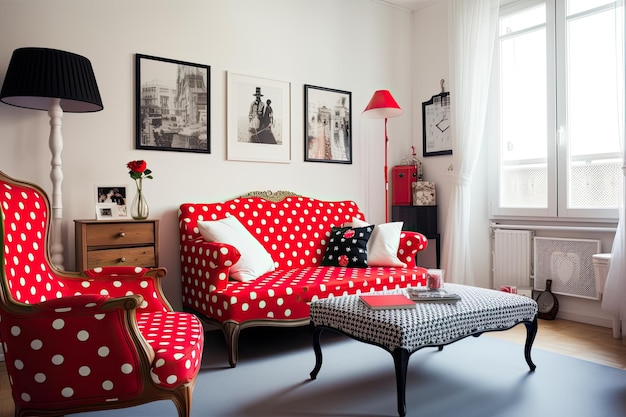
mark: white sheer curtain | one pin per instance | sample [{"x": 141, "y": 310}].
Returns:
[
  {"x": 614, "y": 297},
  {"x": 472, "y": 30}
]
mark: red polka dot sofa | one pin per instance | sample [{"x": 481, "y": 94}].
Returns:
[
  {"x": 99, "y": 339},
  {"x": 294, "y": 231}
]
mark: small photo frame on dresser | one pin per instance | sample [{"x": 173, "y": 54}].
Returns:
[
  {"x": 106, "y": 211},
  {"x": 111, "y": 202}
]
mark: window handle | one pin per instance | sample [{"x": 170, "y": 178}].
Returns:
[{"x": 560, "y": 136}]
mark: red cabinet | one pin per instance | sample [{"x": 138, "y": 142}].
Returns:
[{"x": 402, "y": 179}]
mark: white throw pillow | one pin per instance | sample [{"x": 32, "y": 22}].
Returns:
[
  {"x": 382, "y": 247},
  {"x": 255, "y": 260}
]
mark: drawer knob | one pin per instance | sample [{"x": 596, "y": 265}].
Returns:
[
  {"x": 122, "y": 234},
  {"x": 122, "y": 259}
]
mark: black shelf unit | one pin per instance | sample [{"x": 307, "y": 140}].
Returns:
[{"x": 421, "y": 219}]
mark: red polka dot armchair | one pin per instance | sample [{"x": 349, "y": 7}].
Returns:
[{"x": 104, "y": 338}]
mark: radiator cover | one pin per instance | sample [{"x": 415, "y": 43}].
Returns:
[{"x": 568, "y": 263}]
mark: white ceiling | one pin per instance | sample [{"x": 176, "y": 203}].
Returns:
[{"x": 410, "y": 4}]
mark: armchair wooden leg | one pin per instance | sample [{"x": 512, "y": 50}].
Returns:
[{"x": 182, "y": 399}]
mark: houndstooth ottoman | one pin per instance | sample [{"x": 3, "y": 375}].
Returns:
[{"x": 404, "y": 331}]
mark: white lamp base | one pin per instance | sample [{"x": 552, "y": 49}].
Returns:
[{"x": 56, "y": 175}]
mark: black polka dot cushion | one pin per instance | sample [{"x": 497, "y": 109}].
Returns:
[
  {"x": 347, "y": 247},
  {"x": 429, "y": 324}
]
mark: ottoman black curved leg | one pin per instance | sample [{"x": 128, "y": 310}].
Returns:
[
  {"x": 401, "y": 361},
  {"x": 531, "y": 332},
  {"x": 317, "y": 331}
]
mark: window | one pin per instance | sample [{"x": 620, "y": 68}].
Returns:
[{"x": 559, "y": 89}]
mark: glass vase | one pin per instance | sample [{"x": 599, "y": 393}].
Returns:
[{"x": 139, "y": 209}]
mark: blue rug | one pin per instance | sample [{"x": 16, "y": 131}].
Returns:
[{"x": 475, "y": 377}]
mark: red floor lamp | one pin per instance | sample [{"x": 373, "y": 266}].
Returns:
[{"x": 383, "y": 106}]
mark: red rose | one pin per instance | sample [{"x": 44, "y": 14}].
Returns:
[
  {"x": 138, "y": 171},
  {"x": 137, "y": 166}
]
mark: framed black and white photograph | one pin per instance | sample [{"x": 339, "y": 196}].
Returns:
[
  {"x": 328, "y": 128},
  {"x": 258, "y": 119},
  {"x": 173, "y": 105},
  {"x": 112, "y": 195}
]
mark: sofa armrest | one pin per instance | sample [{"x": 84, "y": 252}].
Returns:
[
  {"x": 410, "y": 244},
  {"x": 210, "y": 261}
]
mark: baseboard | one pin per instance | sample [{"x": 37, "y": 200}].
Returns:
[{"x": 584, "y": 318}]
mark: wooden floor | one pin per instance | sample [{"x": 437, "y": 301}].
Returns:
[
  {"x": 578, "y": 340},
  {"x": 583, "y": 341}
]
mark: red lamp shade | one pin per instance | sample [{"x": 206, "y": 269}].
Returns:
[{"x": 382, "y": 106}]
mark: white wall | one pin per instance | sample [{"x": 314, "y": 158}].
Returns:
[
  {"x": 430, "y": 60},
  {"x": 354, "y": 45}
]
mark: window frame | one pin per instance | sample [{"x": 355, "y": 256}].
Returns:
[{"x": 557, "y": 144}]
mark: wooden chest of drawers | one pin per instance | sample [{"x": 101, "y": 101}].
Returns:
[{"x": 116, "y": 242}]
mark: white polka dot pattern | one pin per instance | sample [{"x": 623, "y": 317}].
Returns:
[
  {"x": 292, "y": 230},
  {"x": 64, "y": 356},
  {"x": 295, "y": 232},
  {"x": 65, "y": 341},
  {"x": 25, "y": 221},
  {"x": 177, "y": 340}
]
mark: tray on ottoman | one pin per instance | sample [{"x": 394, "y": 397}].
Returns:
[{"x": 404, "y": 331}]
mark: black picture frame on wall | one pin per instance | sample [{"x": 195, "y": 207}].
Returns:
[
  {"x": 173, "y": 105},
  {"x": 436, "y": 125},
  {"x": 328, "y": 126}
]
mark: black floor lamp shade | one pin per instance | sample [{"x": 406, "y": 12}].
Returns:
[
  {"x": 35, "y": 75},
  {"x": 57, "y": 82}
]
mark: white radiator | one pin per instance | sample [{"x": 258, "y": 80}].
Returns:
[{"x": 512, "y": 258}]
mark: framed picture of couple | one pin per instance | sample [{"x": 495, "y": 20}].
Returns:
[
  {"x": 258, "y": 119},
  {"x": 111, "y": 202}
]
